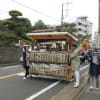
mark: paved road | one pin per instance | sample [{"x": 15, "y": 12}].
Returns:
[{"x": 13, "y": 87}]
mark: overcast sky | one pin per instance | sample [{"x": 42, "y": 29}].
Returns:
[{"x": 50, "y": 10}]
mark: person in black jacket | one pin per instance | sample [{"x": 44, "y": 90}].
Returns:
[
  {"x": 26, "y": 61},
  {"x": 93, "y": 69}
]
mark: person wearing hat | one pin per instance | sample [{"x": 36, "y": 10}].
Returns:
[{"x": 75, "y": 63}]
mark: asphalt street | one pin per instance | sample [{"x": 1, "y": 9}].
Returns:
[{"x": 13, "y": 87}]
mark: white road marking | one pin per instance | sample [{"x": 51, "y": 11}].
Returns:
[
  {"x": 84, "y": 67},
  {"x": 47, "y": 88},
  {"x": 21, "y": 74},
  {"x": 10, "y": 67},
  {"x": 42, "y": 91}
]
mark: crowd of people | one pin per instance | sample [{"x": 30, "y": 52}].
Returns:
[{"x": 89, "y": 56}]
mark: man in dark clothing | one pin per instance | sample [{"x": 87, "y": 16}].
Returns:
[
  {"x": 25, "y": 64},
  {"x": 94, "y": 68},
  {"x": 82, "y": 58}
]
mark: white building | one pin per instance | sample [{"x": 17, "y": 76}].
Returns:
[
  {"x": 83, "y": 25},
  {"x": 96, "y": 42}
]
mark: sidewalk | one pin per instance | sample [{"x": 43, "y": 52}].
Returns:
[
  {"x": 90, "y": 95},
  {"x": 93, "y": 94},
  {"x": 70, "y": 93}
]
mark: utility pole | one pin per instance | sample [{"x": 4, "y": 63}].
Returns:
[
  {"x": 99, "y": 18},
  {"x": 98, "y": 34},
  {"x": 64, "y": 12},
  {"x": 62, "y": 16}
]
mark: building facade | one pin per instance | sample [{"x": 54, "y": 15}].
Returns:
[
  {"x": 83, "y": 26},
  {"x": 96, "y": 42}
]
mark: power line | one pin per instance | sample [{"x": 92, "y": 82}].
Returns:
[
  {"x": 3, "y": 11},
  {"x": 3, "y": 14},
  {"x": 35, "y": 10}
]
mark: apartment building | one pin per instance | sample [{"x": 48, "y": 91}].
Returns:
[
  {"x": 83, "y": 25},
  {"x": 96, "y": 42}
]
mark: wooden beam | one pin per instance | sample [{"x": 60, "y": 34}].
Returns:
[{"x": 54, "y": 37}]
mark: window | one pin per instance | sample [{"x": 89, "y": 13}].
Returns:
[
  {"x": 79, "y": 29},
  {"x": 79, "y": 23}
]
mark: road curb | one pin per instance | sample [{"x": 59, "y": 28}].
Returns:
[{"x": 70, "y": 93}]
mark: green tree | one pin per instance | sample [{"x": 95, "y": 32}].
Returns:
[
  {"x": 19, "y": 26},
  {"x": 81, "y": 38},
  {"x": 14, "y": 14},
  {"x": 7, "y": 38},
  {"x": 25, "y": 22},
  {"x": 67, "y": 27},
  {"x": 39, "y": 25}
]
